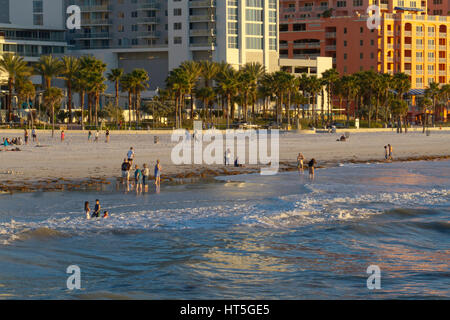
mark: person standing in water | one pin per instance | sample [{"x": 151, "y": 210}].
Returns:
[
  {"x": 391, "y": 152},
  {"x": 312, "y": 163},
  {"x": 145, "y": 174},
  {"x": 131, "y": 155},
  {"x": 97, "y": 209},
  {"x": 386, "y": 153},
  {"x": 300, "y": 159},
  {"x": 157, "y": 173},
  {"x": 138, "y": 179},
  {"x": 107, "y": 136},
  {"x": 87, "y": 210}
]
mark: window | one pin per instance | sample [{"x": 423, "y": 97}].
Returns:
[
  {"x": 177, "y": 40},
  {"x": 177, "y": 26},
  {"x": 233, "y": 43},
  {"x": 177, "y": 12}
]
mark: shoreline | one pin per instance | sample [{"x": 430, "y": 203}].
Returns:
[{"x": 199, "y": 175}]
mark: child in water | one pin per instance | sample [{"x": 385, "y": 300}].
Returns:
[
  {"x": 87, "y": 210},
  {"x": 106, "y": 214}
]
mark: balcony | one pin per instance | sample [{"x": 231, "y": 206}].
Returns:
[
  {"x": 203, "y": 18},
  {"x": 407, "y": 46},
  {"x": 442, "y": 35},
  {"x": 330, "y": 47},
  {"x": 390, "y": 59},
  {"x": 407, "y": 59},
  {"x": 330, "y": 35},
  {"x": 202, "y": 33},
  {"x": 202, "y": 4},
  {"x": 149, "y": 35},
  {"x": 442, "y": 72},
  {"x": 442, "y": 48},
  {"x": 88, "y": 36},
  {"x": 407, "y": 33},
  {"x": 148, "y": 20},
  {"x": 431, "y": 34},
  {"x": 442, "y": 60},
  {"x": 96, "y": 22},
  {"x": 419, "y": 72},
  {"x": 419, "y": 34},
  {"x": 306, "y": 45},
  {"x": 94, "y": 8},
  {"x": 149, "y": 5},
  {"x": 408, "y": 72},
  {"x": 419, "y": 46},
  {"x": 419, "y": 59},
  {"x": 431, "y": 47}
]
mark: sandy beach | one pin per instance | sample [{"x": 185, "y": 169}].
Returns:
[{"x": 54, "y": 164}]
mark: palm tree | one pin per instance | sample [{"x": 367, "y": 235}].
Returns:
[
  {"x": 192, "y": 71},
  {"x": 330, "y": 78},
  {"x": 424, "y": 103},
  {"x": 127, "y": 86},
  {"x": 25, "y": 91},
  {"x": 402, "y": 85},
  {"x": 433, "y": 91},
  {"x": 254, "y": 73},
  {"x": 13, "y": 66},
  {"x": 228, "y": 84},
  {"x": 49, "y": 67},
  {"x": 177, "y": 84},
  {"x": 140, "y": 80},
  {"x": 79, "y": 85},
  {"x": 53, "y": 97},
  {"x": 114, "y": 76},
  {"x": 71, "y": 67}
]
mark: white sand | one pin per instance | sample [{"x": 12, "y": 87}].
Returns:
[{"x": 77, "y": 159}]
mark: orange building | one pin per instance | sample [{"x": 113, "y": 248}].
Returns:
[{"x": 407, "y": 39}]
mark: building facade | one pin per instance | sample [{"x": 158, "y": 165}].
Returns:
[
  {"x": 407, "y": 39},
  {"x": 158, "y": 35}
]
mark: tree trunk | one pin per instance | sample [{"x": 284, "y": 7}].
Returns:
[
  {"x": 10, "y": 92},
  {"x": 69, "y": 100},
  {"x": 129, "y": 109}
]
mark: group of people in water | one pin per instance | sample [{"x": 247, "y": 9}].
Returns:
[
  {"x": 311, "y": 165},
  {"x": 97, "y": 210},
  {"x": 141, "y": 176}
]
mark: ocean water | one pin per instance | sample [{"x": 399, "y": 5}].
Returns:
[{"x": 240, "y": 237}]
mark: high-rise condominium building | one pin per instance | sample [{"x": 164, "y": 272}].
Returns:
[
  {"x": 31, "y": 28},
  {"x": 158, "y": 35},
  {"x": 407, "y": 40}
]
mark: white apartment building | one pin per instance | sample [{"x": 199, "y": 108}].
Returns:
[
  {"x": 158, "y": 35},
  {"x": 31, "y": 28}
]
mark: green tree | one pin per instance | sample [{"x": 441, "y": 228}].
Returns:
[
  {"x": 53, "y": 98},
  {"x": 70, "y": 69}
]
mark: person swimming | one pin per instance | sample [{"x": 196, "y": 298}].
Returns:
[{"x": 105, "y": 214}]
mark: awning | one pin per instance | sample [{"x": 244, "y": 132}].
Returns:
[
  {"x": 408, "y": 9},
  {"x": 416, "y": 92}
]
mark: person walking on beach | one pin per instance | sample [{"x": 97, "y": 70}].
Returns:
[
  {"x": 131, "y": 155},
  {"x": 145, "y": 177},
  {"x": 138, "y": 179},
  {"x": 300, "y": 159},
  {"x": 96, "y": 136},
  {"x": 25, "y": 135},
  {"x": 34, "y": 135},
  {"x": 386, "y": 153},
  {"x": 228, "y": 158},
  {"x": 107, "y": 136},
  {"x": 157, "y": 174},
  {"x": 87, "y": 210},
  {"x": 97, "y": 209},
  {"x": 89, "y": 135},
  {"x": 391, "y": 152},
  {"x": 312, "y": 163},
  {"x": 63, "y": 135}
]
